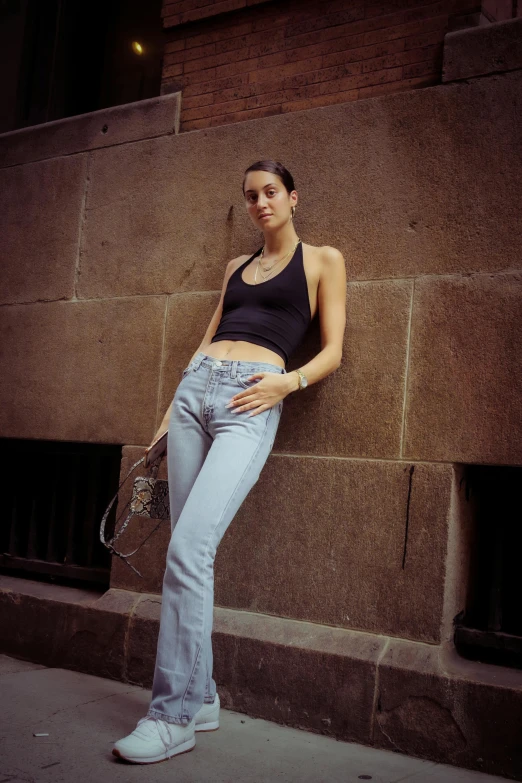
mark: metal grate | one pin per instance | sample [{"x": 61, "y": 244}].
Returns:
[
  {"x": 55, "y": 494},
  {"x": 490, "y": 628}
]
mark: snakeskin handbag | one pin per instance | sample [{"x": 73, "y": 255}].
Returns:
[{"x": 150, "y": 498}]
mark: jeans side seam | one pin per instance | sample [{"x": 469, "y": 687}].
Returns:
[{"x": 211, "y": 533}]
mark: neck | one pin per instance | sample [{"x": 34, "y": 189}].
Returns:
[{"x": 278, "y": 242}]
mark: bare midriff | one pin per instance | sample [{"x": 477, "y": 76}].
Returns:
[{"x": 242, "y": 350}]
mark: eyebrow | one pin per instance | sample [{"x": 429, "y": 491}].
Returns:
[{"x": 265, "y": 186}]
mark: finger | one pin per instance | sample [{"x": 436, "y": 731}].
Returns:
[
  {"x": 245, "y": 396},
  {"x": 260, "y": 409},
  {"x": 247, "y": 405}
]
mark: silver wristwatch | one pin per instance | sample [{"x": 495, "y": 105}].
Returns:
[{"x": 303, "y": 382}]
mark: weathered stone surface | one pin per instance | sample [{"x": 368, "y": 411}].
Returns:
[
  {"x": 86, "y": 371},
  {"x": 94, "y": 637},
  {"x": 425, "y": 712},
  {"x": 395, "y": 192},
  {"x": 477, "y": 51},
  {"x": 464, "y": 398},
  {"x": 33, "y": 617},
  {"x": 328, "y": 543},
  {"x": 358, "y": 409},
  {"x": 264, "y": 662},
  {"x": 106, "y": 127},
  {"x": 143, "y": 640},
  {"x": 40, "y": 215}
]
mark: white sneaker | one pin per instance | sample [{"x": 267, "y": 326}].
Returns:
[
  {"x": 207, "y": 717},
  {"x": 154, "y": 740}
]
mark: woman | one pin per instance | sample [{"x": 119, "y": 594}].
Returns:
[{"x": 221, "y": 427}]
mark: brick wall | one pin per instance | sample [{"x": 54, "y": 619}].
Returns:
[
  {"x": 182, "y": 11},
  {"x": 276, "y": 57}
]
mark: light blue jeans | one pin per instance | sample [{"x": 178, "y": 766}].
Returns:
[{"x": 214, "y": 458}]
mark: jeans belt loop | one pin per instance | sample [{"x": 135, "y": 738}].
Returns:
[
  {"x": 198, "y": 359},
  {"x": 233, "y": 370}
]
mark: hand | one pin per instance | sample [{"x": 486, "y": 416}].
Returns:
[
  {"x": 270, "y": 390},
  {"x": 163, "y": 428}
]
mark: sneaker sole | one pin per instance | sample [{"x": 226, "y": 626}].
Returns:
[
  {"x": 185, "y": 747},
  {"x": 212, "y": 726}
]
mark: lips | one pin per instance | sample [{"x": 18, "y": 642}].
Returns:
[{"x": 267, "y": 214}]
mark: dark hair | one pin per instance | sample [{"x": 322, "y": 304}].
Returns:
[{"x": 274, "y": 168}]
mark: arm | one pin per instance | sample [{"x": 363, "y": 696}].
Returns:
[{"x": 331, "y": 302}]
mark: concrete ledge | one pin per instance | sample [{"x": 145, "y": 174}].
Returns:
[
  {"x": 414, "y": 698},
  {"x": 478, "y": 51},
  {"x": 104, "y": 128}
]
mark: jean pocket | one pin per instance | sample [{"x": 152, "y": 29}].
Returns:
[{"x": 244, "y": 383}]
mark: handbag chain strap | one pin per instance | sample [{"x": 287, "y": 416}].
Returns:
[{"x": 154, "y": 467}]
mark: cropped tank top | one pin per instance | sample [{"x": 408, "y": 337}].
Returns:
[{"x": 275, "y": 313}]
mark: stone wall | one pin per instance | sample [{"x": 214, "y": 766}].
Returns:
[
  {"x": 114, "y": 252},
  {"x": 116, "y": 232}
]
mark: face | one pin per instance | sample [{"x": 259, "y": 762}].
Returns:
[{"x": 265, "y": 193}]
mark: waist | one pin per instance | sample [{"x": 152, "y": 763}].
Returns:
[
  {"x": 234, "y": 366},
  {"x": 231, "y": 346}
]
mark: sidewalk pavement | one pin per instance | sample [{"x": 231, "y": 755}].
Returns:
[{"x": 83, "y": 716}]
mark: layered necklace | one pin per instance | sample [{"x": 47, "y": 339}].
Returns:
[{"x": 268, "y": 269}]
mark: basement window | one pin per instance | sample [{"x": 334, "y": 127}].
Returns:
[
  {"x": 55, "y": 494},
  {"x": 490, "y": 628}
]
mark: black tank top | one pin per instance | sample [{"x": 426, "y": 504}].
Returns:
[{"x": 275, "y": 313}]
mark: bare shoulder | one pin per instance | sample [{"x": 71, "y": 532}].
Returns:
[
  {"x": 233, "y": 265},
  {"x": 323, "y": 259},
  {"x": 239, "y": 259},
  {"x": 331, "y": 256}
]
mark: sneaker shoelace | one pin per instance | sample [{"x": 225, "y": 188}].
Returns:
[{"x": 162, "y": 729}]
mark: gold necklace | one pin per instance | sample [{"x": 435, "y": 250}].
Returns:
[{"x": 269, "y": 269}]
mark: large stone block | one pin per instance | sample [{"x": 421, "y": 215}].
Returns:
[
  {"x": 451, "y": 711},
  {"x": 359, "y": 545},
  {"x": 357, "y": 410},
  {"x": 104, "y": 128},
  {"x": 94, "y": 636},
  {"x": 490, "y": 48},
  {"x": 33, "y": 617},
  {"x": 261, "y": 663},
  {"x": 40, "y": 215},
  {"x": 81, "y": 371},
  {"x": 464, "y": 400},
  {"x": 398, "y": 183},
  {"x": 158, "y": 219}
]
